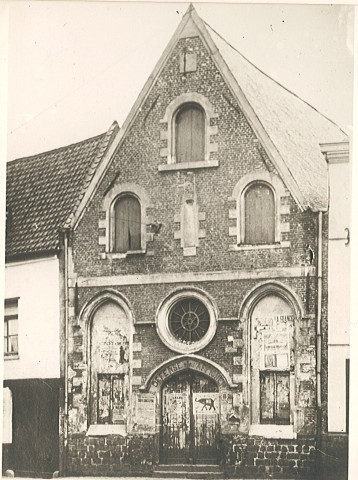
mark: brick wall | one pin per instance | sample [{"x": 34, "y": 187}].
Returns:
[{"x": 238, "y": 153}]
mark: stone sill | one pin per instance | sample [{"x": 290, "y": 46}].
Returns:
[
  {"x": 103, "y": 430},
  {"x": 188, "y": 165},
  {"x": 237, "y": 248},
  {"x": 113, "y": 255},
  {"x": 273, "y": 431},
  {"x": 11, "y": 357}
]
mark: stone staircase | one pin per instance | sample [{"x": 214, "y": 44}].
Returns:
[{"x": 188, "y": 471}]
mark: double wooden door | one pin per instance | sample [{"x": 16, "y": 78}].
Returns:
[{"x": 190, "y": 420}]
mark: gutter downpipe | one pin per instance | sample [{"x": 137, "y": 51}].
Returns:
[
  {"x": 319, "y": 330},
  {"x": 65, "y": 433}
]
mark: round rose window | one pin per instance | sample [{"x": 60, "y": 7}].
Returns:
[
  {"x": 186, "y": 321},
  {"x": 189, "y": 320}
]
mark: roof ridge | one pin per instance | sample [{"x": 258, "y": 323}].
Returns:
[
  {"x": 54, "y": 150},
  {"x": 271, "y": 78}
]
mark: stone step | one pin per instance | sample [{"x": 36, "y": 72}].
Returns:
[
  {"x": 188, "y": 471},
  {"x": 186, "y": 474},
  {"x": 189, "y": 467}
]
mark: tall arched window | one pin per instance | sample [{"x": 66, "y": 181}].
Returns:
[
  {"x": 272, "y": 323},
  {"x": 127, "y": 224},
  {"x": 109, "y": 365},
  {"x": 259, "y": 215},
  {"x": 190, "y": 134}
]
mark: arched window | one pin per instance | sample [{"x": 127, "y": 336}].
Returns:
[
  {"x": 272, "y": 323},
  {"x": 190, "y": 134},
  {"x": 109, "y": 365},
  {"x": 259, "y": 215},
  {"x": 127, "y": 224}
]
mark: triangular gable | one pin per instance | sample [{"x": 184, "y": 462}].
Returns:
[{"x": 192, "y": 25}]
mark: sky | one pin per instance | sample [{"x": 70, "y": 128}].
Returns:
[{"x": 75, "y": 67}]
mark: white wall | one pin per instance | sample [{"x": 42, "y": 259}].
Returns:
[
  {"x": 36, "y": 283},
  {"x": 337, "y": 388},
  {"x": 338, "y": 293}
]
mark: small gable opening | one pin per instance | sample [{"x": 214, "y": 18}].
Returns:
[
  {"x": 127, "y": 213},
  {"x": 190, "y": 134},
  {"x": 259, "y": 215}
]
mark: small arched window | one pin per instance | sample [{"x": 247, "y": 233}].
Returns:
[
  {"x": 190, "y": 134},
  {"x": 127, "y": 224},
  {"x": 259, "y": 215}
]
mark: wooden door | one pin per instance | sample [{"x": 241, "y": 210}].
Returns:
[{"x": 190, "y": 420}]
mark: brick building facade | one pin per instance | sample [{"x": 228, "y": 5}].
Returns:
[
  {"x": 193, "y": 338},
  {"x": 195, "y": 319}
]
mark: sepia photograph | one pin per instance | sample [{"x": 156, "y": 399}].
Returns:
[{"x": 177, "y": 234}]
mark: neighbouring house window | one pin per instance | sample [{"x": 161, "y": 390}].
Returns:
[
  {"x": 11, "y": 345},
  {"x": 7, "y": 416},
  {"x": 127, "y": 214},
  {"x": 259, "y": 215},
  {"x": 111, "y": 398},
  {"x": 109, "y": 365},
  {"x": 275, "y": 398},
  {"x": 190, "y": 134}
]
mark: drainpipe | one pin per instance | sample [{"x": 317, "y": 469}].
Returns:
[
  {"x": 318, "y": 331},
  {"x": 65, "y": 433}
]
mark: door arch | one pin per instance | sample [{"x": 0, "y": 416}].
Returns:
[{"x": 190, "y": 419}]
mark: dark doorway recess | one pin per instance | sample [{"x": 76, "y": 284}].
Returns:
[
  {"x": 190, "y": 420},
  {"x": 34, "y": 451}
]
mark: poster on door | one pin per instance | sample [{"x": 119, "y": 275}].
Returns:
[{"x": 206, "y": 403}]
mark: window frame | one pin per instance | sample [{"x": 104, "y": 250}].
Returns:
[
  {"x": 167, "y": 133},
  {"x": 114, "y": 222},
  {"x": 275, "y": 419},
  {"x": 237, "y": 214},
  {"x": 7, "y": 318},
  {"x": 244, "y": 208},
  {"x": 106, "y": 222},
  {"x": 112, "y": 377},
  {"x": 162, "y": 320},
  {"x": 180, "y": 109}
]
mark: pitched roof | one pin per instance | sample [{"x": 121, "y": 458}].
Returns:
[
  {"x": 289, "y": 129},
  {"x": 43, "y": 190},
  {"x": 295, "y": 127}
]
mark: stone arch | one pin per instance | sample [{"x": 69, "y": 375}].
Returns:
[
  {"x": 238, "y": 195},
  {"x": 162, "y": 319},
  {"x": 181, "y": 363},
  {"x": 169, "y": 118},
  {"x": 270, "y": 288},
  {"x": 106, "y": 225},
  {"x": 123, "y": 339},
  {"x": 271, "y": 311}
]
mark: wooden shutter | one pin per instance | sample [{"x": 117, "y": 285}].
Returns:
[
  {"x": 275, "y": 398},
  {"x": 190, "y": 135},
  {"x": 259, "y": 215},
  {"x": 267, "y": 397},
  {"x": 127, "y": 224}
]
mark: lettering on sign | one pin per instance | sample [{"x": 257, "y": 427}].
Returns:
[
  {"x": 145, "y": 412},
  {"x": 187, "y": 364}
]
